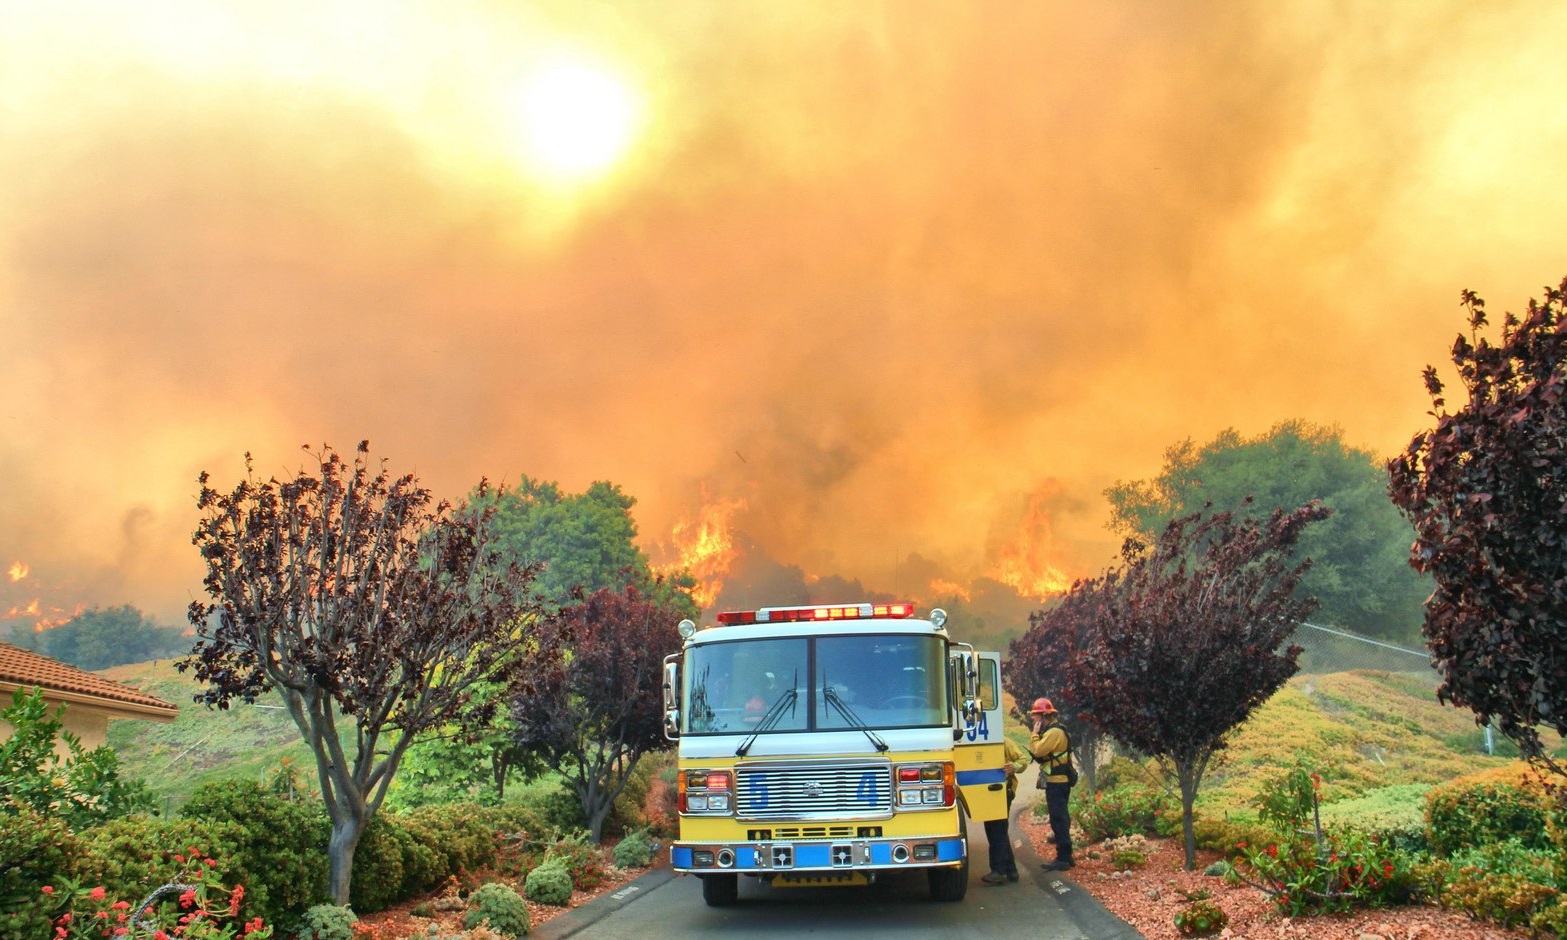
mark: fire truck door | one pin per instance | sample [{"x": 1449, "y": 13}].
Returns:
[{"x": 979, "y": 753}]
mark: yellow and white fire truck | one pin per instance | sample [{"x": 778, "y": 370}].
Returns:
[{"x": 827, "y": 745}]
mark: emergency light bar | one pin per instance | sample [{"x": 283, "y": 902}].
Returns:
[{"x": 798, "y": 614}]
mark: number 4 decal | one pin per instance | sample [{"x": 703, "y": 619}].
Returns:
[{"x": 979, "y": 731}]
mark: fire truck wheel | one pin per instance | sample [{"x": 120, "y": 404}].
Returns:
[{"x": 722, "y": 890}]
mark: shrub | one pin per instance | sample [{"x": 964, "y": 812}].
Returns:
[
  {"x": 83, "y": 787},
  {"x": 1218, "y": 835},
  {"x": 327, "y": 922},
  {"x": 130, "y": 856},
  {"x": 465, "y": 832},
  {"x": 196, "y": 905},
  {"x": 580, "y": 858},
  {"x": 1487, "y": 807},
  {"x": 635, "y": 850},
  {"x": 1128, "y": 858},
  {"x": 283, "y": 842},
  {"x": 1394, "y": 815},
  {"x": 1126, "y": 810},
  {"x": 557, "y": 804},
  {"x": 1202, "y": 918},
  {"x": 1509, "y": 900},
  {"x": 378, "y": 866},
  {"x": 35, "y": 850},
  {"x": 1551, "y": 919},
  {"x": 502, "y": 907},
  {"x": 550, "y": 883},
  {"x": 1511, "y": 857}
]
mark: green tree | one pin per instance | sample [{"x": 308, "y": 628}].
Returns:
[
  {"x": 81, "y": 787},
  {"x": 103, "y": 637},
  {"x": 582, "y": 542},
  {"x": 1360, "y": 573},
  {"x": 373, "y": 610},
  {"x": 1176, "y": 647},
  {"x": 1487, "y": 492}
]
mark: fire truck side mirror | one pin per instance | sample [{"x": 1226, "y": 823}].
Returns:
[{"x": 671, "y": 699}]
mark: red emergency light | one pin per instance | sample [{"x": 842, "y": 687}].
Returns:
[{"x": 815, "y": 613}]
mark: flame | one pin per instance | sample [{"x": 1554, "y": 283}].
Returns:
[
  {"x": 18, "y": 571},
  {"x": 941, "y": 587},
  {"x": 705, "y": 549},
  {"x": 1022, "y": 563}
]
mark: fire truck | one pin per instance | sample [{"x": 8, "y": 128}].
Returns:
[{"x": 831, "y": 745}]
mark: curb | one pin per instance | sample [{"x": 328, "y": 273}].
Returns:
[
  {"x": 1087, "y": 914},
  {"x": 579, "y": 919}
]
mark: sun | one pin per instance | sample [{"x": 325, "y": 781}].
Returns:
[{"x": 575, "y": 118}]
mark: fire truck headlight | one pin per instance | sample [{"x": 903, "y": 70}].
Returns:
[
  {"x": 718, "y": 802},
  {"x": 696, "y": 804},
  {"x": 907, "y": 797},
  {"x": 933, "y": 795}
]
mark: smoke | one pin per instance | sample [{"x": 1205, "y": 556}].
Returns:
[{"x": 904, "y": 280}]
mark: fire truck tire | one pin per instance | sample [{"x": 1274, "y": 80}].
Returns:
[
  {"x": 722, "y": 890},
  {"x": 951, "y": 884}
]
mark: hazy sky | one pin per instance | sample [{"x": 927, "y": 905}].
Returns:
[{"x": 876, "y": 278}]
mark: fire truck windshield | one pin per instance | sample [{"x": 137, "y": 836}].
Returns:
[{"x": 886, "y": 681}]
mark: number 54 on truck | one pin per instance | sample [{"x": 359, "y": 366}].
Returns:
[{"x": 829, "y": 745}]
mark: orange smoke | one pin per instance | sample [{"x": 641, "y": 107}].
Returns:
[
  {"x": 1023, "y": 563},
  {"x": 705, "y": 549},
  {"x": 18, "y": 571}
]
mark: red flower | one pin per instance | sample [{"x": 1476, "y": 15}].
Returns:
[
  {"x": 234, "y": 899},
  {"x": 97, "y": 893},
  {"x": 48, "y": 889},
  {"x": 188, "y": 898}
]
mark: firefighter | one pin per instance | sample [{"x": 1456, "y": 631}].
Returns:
[
  {"x": 1053, "y": 749},
  {"x": 1003, "y": 864}
]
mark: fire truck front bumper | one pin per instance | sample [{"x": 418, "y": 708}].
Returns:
[{"x": 846, "y": 855}]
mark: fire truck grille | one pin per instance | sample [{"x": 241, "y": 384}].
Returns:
[{"x": 807, "y": 792}]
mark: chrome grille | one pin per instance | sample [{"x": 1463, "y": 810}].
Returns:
[{"x": 813, "y": 791}]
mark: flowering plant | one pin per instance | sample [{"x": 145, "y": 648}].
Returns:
[{"x": 198, "y": 906}]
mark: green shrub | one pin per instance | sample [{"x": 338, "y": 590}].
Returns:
[
  {"x": 1394, "y": 815},
  {"x": 425, "y": 865},
  {"x": 1551, "y": 919},
  {"x": 502, "y": 907},
  {"x": 378, "y": 866},
  {"x": 283, "y": 842},
  {"x": 1325, "y": 874},
  {"x": 1218, "y": 835},
  {"x": 557, "y": 804},
  {"x": 1202, "y": 918},
  {"x": 635, "y": 850},
  {"x": 35, "y": 850},
  {"x": 1126, "y": 810},
  {"x": 82, "y": 787},
  {"x": 550, "y": 883},
  {"x": 327, "y": 922},
  {"x": 1511, "y": 857},
  {"x": 1128, "y": 858},
  {"x": 465, "y": 832},
  {"x": 580, "y": 857},
  {"x": 131, "y": 856},
  {"x": 1509, "y": 900},
  {"x": 1482, "y": 808}
]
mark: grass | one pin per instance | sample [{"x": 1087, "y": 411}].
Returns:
[{"x": 201, "y": 744}]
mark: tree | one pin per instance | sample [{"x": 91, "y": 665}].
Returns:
[
  {"x": 81, "y": 787},
  {"x": 585, "y": 542},
  {"x": 1189, "y": 636},
  {"x": 595, "y": 705},
  {"x": 100, "y": 638},
  {"x": 1038, "y": 664},
  {"x": 373, "y": 612},
  {"x": 1360, "y": 573},
  {"x": 1487, "y": 492}
]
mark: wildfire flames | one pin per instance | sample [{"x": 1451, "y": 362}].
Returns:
[
  {"x": 941, "y": 587},
  {"x": 705, "y": 548},
  {"x": 1022, "y": 563},
  {"x": 44, "y": 616}
]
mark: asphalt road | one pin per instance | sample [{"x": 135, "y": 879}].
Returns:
[{"x": 1041, "y": 906}]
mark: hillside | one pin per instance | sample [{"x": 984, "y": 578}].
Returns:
[{"x": 202, "y": 743}]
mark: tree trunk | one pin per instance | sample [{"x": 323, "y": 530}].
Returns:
[
  {"x": 1188, "y": 798},
  {"x": 340, "y": 853}
]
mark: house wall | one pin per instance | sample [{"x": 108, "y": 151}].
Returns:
[{"x": 88, "y": 723}]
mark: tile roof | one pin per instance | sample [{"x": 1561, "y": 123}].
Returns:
[{"x": 19, "y": 667}]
